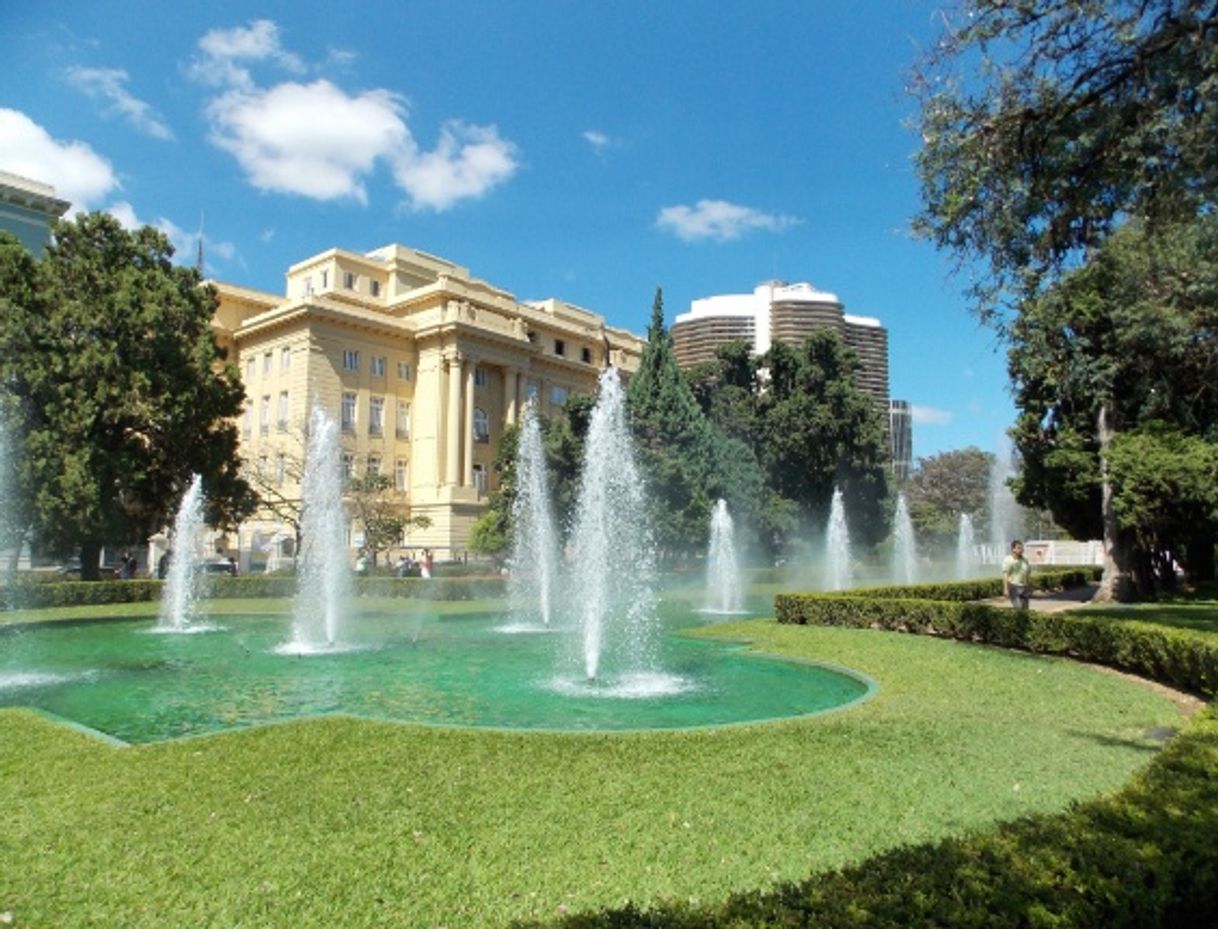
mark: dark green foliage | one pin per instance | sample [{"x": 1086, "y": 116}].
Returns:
[
  {"x": 383, "y": 512},
  {"x": 118, "y": 387},
  {"x": 942, "y": 487}
]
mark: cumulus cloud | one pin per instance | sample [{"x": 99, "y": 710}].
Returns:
[
  {"x": 109, "y": 85},
  {"x": 719, "y": 221},
  {"x": 226, "y": 53},
  {"x": 466, "y": 163},
  {"x": 78, "y": 174},
  {"x": 310, "y": 139},
  {"x": 929, "y": 416},
  {"x": 185, "y": 244},
  {"x": 317, "y": 140},
  {"x": 597, "y": 139}
]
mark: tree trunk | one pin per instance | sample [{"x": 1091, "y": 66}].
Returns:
[
  {"x": 90, "y": 558},
  {"x": 1115, "y": 584},
  {"x": 1200, "y": 558}
]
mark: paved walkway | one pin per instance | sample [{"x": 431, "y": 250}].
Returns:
[{"x": 1055, "y": 601}]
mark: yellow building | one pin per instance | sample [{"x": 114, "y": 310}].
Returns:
[{"x": 422, "y": 365}]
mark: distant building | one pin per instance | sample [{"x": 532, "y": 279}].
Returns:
[
  {"x": 779, "y": 312},
  {"x": 900, "y": 434},
  {"x": 423, "y": 367},
  {"x": 27, "y": 209}
]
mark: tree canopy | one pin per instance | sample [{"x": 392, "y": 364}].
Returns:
[
  {"x": 117, "y": 389},
  {"x": 942, "y": 487},
  {"x": 1045, "y": 124}
]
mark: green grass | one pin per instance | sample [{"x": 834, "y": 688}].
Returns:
[
  {"x": 1198, "y": 615},
  {"x": 356, "y": 823}
]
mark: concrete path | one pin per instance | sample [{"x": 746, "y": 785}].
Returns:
[{"x": 1054, "y": 601}]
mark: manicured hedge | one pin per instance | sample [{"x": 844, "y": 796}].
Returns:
[
  {"x": 1144, "y": 857},
  {"x": 980, "y": 589},
  {"x": 93, "y": 593}
]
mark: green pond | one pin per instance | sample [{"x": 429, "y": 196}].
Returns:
[{"x": 123, "y": 679}]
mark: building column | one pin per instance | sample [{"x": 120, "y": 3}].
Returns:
[
  {"x": 467, "y": 474},
  {"x": 511, "y": 391},
  {"x": 452, "y": 423}
]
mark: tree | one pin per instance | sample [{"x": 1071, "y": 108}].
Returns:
[
  {"x": 942, "y": 487},
  {"x": 279, "y": 495},
  {"x": 1045, "y": 124},
  {"x": 1130, "y": 338},
  {"x": 120, "y": 391},
  {"x": 383, "y": 511}
]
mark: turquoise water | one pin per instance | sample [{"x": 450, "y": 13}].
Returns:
[{"x": 121, "y": 679}]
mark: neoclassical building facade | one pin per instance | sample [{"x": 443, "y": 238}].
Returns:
[{"x": 423, "y": 367}]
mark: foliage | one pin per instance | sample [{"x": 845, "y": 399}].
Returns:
[
  {"x": 942, "y": 487},
  {"x": 117, "y": 384},
  {"x": 1133, "y": 333},
  {"x": 1045, "y": 125},
  {"x": 383, "y": 511}
]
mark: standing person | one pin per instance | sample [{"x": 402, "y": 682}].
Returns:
[
  {"x": 361, "y": 563},
  {"x": 1016, "y": 576},
  {"x": 425, "y": 564}
]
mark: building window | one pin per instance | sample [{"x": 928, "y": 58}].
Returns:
[
  {"x": 264, "y": 421},
  {"x": 531, "y": 390},
  {"x": 285, "y": 359},
  {"x": 374, "y": 288},
  {"x": 247, "y": 423},
  {"x": 281, "y": 469},
  {"x": 403, "y": 370},
  {"x": 350, "y": 359},
  {"x": 482, "y": 426},
  {"x": 348, "y": 280},
  {"x": 558, "y": 395},
  {"x": 251, "y": 367},
  {"x": 400, "y": 474},
  {"x": 348, "y": 465},
  {"x": 283, "y": 411},
  {"x": 585, "y": 354},
  {"x": 262, "y": 472},
  {"x": 560, "y": 347},
  {"x": 402, "y": 424},
  {"x": 378, "y": 365},
  {"x": 306, "y": 287},
  {"x": 374, "y": 465},
  {"x": 376, "y": 416},
  {"x": 480, "y": 479},
  {"x": 348, "y": 412},
  {"x": 480, "y": 377},
  {"x": 266, "y": 363}
]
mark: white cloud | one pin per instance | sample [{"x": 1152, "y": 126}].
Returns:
[
  {"x": 185, "y": 244},
  {"x": 467, "y": 162},
  {"x": 597, "y": 139},
  {"x": 78, "y": 174},
  {"x": 719, "y": 221},
  {"x": 309, "y": 139},
  {"x": 225, "y": 52},
  {"x": 109, "y": 84},
  {"x": 929, "y": 416}
]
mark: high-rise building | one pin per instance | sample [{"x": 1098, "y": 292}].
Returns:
[
  {"x": 422, "y": 366},
  {"x": 900, "y": 435},
  {"x": 27, "y": 209},
  {"x": 779, "y": 312}
]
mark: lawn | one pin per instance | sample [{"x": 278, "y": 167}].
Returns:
[{"x": 358, "y": 823}]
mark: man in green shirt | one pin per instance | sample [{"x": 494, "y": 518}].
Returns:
[{"x": 1016, "y": 576}]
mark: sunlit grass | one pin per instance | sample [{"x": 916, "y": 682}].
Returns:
[{"x": 356, "y": 823}]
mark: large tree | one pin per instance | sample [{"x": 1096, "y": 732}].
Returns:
[
  {"x": 944, "y": 486},
  {"x": 119, "y": 389},
  {"x": 1045, "y": 123}
]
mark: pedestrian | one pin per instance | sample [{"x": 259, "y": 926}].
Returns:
[
  {"x": 426, "y": 564},
  {"x": 1016, "y": 576},
  {"x": 361, "y": 563},
  {"x": 162, "y": 566}
]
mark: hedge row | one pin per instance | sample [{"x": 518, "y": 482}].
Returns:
[
  {"x": 1142, "y": 858},
  {"x": 980, "y": 589},
  {"x": 1180, "y": 658},
  {"x": 94, "y": 593}
]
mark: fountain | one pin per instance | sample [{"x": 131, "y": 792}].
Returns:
[
  {"x": 323, "y": 575},
  {"x": 533, "y": 564},
  {"x": 185, "y": 581},
  {"x": 966, "y": 548},
  {"x": 1004, "y": 511},
  {"x": 611, "y": 546},
  {"x": 837, "y": 546},
  {"x": 904, "y": 545},
  {"x": 723, "y": 593}
]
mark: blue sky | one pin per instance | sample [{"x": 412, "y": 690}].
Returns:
[{"x": 587, "y": 151}]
